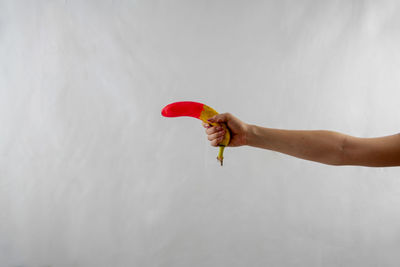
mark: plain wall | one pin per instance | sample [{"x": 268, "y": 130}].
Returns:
[{"x": 91, "y": 174}]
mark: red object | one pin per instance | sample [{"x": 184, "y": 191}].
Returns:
[{"x": 183, "y": 108}]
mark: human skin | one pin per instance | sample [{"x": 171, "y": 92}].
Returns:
[{"x": 323, "y": 146}]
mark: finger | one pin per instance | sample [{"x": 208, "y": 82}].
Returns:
[
  {"x": 213, "y": 129},
  {"x": 216, "y": 135},
  {"x": 215, "y": 142},
  {"x": 206, "y": 125},
  {"x": 223, "y": 117}
]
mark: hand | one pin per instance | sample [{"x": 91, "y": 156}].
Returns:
[{"x": 237, "y": 128}]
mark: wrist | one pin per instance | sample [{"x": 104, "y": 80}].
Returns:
[{"x": 249, "y": 134}]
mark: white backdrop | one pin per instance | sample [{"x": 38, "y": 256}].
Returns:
[{"x": 91, "y": 174}]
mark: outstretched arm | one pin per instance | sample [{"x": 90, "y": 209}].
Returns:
[
  {"x": 317, "y": 145},
  {"x": 328, "y": 147}
]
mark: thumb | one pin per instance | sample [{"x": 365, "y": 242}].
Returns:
[{"x": 219, "y": 118}]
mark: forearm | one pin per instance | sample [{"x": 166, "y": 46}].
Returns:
[{"x": 316, "y": 145}]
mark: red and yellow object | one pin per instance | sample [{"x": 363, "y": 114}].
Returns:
[{"x": 199, "y": 111}]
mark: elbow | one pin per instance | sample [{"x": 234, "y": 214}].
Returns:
[{"x": 340, "y": 155}]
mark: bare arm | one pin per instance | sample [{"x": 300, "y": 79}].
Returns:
[
  {"x": 322, "y": 146},
  {"x": 328, "y": 147},
  {"x": 372, "y": 152}
]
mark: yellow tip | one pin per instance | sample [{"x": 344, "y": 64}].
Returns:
[{"x": 221, "y": 154}]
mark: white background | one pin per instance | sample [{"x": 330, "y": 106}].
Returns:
[{"x": 91, "y": 174}]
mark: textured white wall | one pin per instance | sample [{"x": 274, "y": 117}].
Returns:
[{"x": 91, "y": 174}]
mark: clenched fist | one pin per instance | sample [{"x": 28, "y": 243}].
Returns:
[{"x": 237, "y": 128}]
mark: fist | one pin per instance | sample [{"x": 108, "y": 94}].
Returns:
[{"x": 237, "y": 128}]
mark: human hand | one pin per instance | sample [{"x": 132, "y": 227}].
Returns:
[{"x": 236, "y": 127}]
